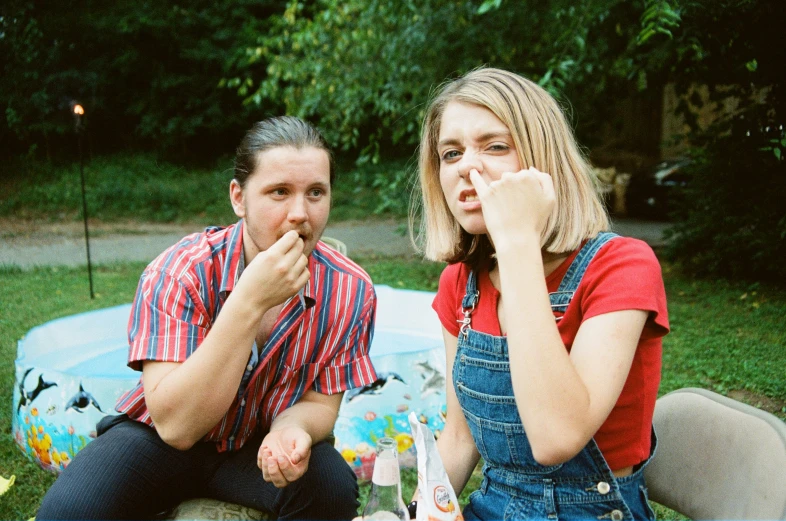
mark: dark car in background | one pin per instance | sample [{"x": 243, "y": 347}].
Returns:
[{"x": 652, "y": 190}]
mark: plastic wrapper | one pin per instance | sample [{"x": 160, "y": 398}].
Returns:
[{"x": 438, "y": 500}]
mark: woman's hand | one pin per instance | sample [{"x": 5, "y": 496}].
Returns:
[{"x": 517, "y": 206}]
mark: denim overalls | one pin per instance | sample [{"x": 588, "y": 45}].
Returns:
[{"x": 515, "y": 486}]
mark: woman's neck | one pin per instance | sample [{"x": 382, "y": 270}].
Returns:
[{"x": 551, "y": 261}]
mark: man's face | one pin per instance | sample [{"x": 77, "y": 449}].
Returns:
[{"x": 289, "y": 190}]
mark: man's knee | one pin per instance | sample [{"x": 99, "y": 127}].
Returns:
[
  {"x": 121, "y": 473},
  {"x": 83, "y": 490}
]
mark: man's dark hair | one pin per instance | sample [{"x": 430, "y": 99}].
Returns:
[{"x": 282, "y": 131}]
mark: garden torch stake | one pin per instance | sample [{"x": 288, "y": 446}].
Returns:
[{"x": 79, "y": 111}]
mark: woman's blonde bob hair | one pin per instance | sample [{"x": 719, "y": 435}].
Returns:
[{"x": 543, "y": 139}]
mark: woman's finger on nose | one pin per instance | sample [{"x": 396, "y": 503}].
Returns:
[{"x": 478, "y": 183}]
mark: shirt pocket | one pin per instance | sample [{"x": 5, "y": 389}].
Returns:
[
  {"x": 485, "y": 389},
  {"x": 300, "y": 378}
]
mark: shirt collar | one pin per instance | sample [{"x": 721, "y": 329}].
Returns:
[
  {"x": 309, "y": 290},
  {"x": 234, "y": 263}
]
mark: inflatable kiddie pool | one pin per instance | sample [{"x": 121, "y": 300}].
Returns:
[
  {"x": 71, "y": 371},
  {"x": 409, "y": 356}
]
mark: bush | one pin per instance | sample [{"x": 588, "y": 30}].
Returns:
[
  {"x": 142, "y": 188},
  {"x": 732, "y": 222}
]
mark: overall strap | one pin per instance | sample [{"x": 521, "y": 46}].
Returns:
[
  {"x": 471, "y": 295},
  {"x": 570, "y": 282}
]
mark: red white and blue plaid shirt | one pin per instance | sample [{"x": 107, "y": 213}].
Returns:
[{"x": 323, "y": 347}]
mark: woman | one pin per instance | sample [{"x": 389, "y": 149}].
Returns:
[{"x": 552, "y": 325}]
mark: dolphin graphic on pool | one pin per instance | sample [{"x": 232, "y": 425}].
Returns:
[
  {"x": 81, "y": 401},
  {"x": 26, "y": 398},
  {"x": 374, "y": 387}
]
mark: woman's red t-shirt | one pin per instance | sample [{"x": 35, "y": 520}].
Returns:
[{"x": 625, "y": 274}]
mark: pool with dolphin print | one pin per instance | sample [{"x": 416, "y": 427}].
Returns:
[{"x": 71, "y": 371}]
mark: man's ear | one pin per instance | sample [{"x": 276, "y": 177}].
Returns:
[{"x": 236, "y": 198}]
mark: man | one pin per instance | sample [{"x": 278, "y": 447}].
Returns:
[{"x": 246, "y": 337}]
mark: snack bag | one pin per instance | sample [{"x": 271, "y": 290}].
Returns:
[{"x": 438, "y": 501}]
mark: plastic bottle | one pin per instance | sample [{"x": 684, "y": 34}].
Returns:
[{"x": 384, "y": 501}]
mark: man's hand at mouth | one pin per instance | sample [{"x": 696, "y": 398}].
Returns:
[{"x": 277, "y": 273}]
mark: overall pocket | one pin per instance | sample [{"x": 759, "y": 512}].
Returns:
[{"x": 485, "y": 392}]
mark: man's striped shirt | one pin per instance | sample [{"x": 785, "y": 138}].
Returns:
[{"x": 323, "y": 346}]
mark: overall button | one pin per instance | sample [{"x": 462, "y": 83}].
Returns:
[
  {"x": 616, "y": 515},
  {"x": 604, "y": 488}
]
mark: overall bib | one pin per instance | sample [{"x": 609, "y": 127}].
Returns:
[{"x": 515, "y": 486}]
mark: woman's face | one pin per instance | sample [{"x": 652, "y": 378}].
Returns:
[{"x": 472, "y": 137}]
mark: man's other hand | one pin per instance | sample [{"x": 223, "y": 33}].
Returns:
[{"x": 284, "y": 454}]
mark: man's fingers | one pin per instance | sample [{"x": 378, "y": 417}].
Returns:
[
  {"x": 286, "y": 242},
  {"x": 295, "y": 457},
  {"x": 287, "y": 249},
  {"x": 274, "y": 473},
  {"x": 292, "y": 471},
  {"x": 289, "y": 470},
  {"x": 293, "y": 255},
  {"x": 295, "y": 260},
  {"x": 301, "y": 265},
  {"x": 478, "y": 183},
  {"x": 290, "y": 266},
  {"x": 293, "y": 461},
  {"x": 272, "y": 470},
  {"x": 284, "y": 456},
  {"x": 262, "y": 459}
]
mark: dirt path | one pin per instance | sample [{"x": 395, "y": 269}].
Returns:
[{"x": 30, "y": 244}]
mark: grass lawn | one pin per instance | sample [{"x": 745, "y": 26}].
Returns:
[{"x": 727, "y": 337}]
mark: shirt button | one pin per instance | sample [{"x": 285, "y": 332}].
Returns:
[
  {"x": 232, "y": 438},
  {"x": 243, "y": 402},
  {"x": 249, "y": 367},
  {"x": 603, "y": 488},
  {"x": 616, "y": 515}
]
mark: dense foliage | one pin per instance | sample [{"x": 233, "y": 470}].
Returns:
[
  {"x": 732, "y": 221},
  {"x": 146, "y": 72},
  {"x": 364, "y": 69},
  {"x": 187, "y": 79}
]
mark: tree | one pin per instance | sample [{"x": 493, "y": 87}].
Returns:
[
  {"x": 35, "y": 90},
  {"x": 364, "y": 69},
  {"x": 147, "y": 72},
  {"x": 733, "y": 221}
]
